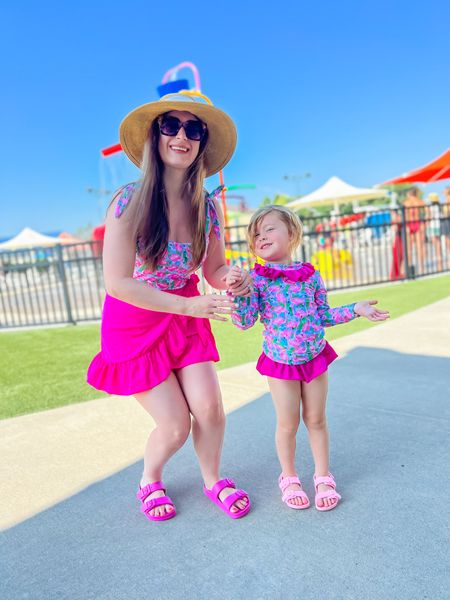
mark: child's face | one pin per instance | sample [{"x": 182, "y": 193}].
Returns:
[{"x": 272, "y": 239}]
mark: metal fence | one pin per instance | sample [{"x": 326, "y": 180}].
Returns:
[
  {"x": 370, "y": 248},
  {"x": 64, "y": 284},
  {"x": 46, "y": 286}
]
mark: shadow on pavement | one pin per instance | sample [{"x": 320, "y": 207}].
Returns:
[{"x": 389, "y": 418}]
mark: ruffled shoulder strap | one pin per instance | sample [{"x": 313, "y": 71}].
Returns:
[
  {"x": 212, "y": 219},
  {"x": 124, "y": 193}
]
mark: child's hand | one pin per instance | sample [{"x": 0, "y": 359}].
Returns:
[
  {"x": 366, "y": 309},
  {"x": 234, "y": 276},
  {"x": 238, "y": 281}
]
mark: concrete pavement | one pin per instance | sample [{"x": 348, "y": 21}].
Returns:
[{"x": 75, "y": 531}]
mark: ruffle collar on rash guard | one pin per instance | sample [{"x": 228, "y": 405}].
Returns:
[{"x": 293, "y": 272}]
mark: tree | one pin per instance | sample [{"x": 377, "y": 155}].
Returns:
[
  {"x": 84, "y": 232},
  {"x": 278, "y": 199},
  {"x": 401, "y": 190}
]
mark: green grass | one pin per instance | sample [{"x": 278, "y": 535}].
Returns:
[
  {"x": 237, "y": 347},
  {"x": 45, "y": 368}
]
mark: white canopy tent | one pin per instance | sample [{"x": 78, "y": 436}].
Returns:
[
  {"x": 28, "y": 238},
  {"x": 335, "y": 191}
]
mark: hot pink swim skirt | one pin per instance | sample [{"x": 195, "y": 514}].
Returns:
[
  {"x": 140, "y": 348},
  {"x": 305, "y": 372}
]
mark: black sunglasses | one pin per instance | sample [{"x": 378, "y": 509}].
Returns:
[{"x": 194, "y": 130}]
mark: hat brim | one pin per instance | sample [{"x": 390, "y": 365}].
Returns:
[{"x": 222, "y": 136}]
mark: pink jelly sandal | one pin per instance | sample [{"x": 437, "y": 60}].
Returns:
[
  {"x": 329, "y": 494},
  {"x": 227, "y": 503},
  {"x": 284, "y": 482},
  {"x": 148, "y": 505}
]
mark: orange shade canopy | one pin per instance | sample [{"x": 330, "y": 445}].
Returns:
[{"x": 434, "y": 171}]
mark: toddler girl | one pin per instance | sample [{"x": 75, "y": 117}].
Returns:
[{"x": 291, "y": 300}]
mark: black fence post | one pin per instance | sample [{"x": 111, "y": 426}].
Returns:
[
  {"x": 409, "y": 268},
  {"x": 62, "y": 273},
  {"x": 302, "y": 249}
]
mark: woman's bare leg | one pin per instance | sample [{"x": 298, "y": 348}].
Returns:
[
  {"x": 167, "y": 405},
  {"x": 202, "y": 392}
]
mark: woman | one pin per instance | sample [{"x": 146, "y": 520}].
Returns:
[
  {"x": 156, "y": 338},
  {"x": 415, "y": 228},
  {"x": 445, "y": 224},
  {"x": 434, "y": 227}
]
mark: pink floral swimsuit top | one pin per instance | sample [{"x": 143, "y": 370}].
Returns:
[
  {"x": 292, "y": 303},
  {"x": 175, "y": 267}
]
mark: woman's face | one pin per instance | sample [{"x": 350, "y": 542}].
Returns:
[{"x": 178, "y": 151}]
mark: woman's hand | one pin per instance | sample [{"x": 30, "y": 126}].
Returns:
[
  {"x": 209, "y": 306},
  {"x": 366, "y": 309},
  {"x": 238, "y": 281}
]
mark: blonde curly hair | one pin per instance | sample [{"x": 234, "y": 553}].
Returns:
[{"x": 286, "y": 215}]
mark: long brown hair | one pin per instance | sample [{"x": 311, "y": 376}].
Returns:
[{"x": 150, "y": 215}]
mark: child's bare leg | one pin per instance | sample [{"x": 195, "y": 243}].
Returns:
[
  {"x": 286, "y": 397},
  {"x": 314, "y": 396}
]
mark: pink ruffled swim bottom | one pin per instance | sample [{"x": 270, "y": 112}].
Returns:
[
  {"x": 140, "y": 348},
  {"x": 305, "y": 372}
]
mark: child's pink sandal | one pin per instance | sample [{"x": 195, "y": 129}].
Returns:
[
  {"x": 288, "y": 495},
  {"x": 148, "y": 505},
  {"x": 227, "y": 503},
  {"x": 328, "y": 494}
]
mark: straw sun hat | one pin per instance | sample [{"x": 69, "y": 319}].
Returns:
[{"x": 222, "y": 135}]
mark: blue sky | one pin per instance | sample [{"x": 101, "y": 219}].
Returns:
[{"x": 354, "y": 89}]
